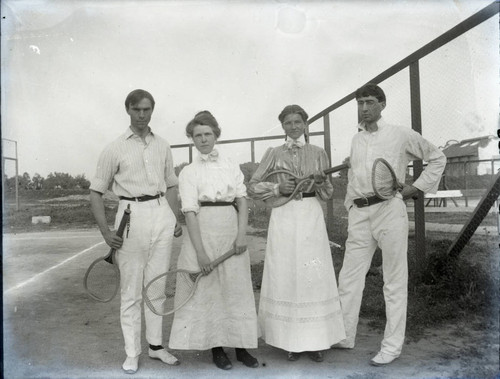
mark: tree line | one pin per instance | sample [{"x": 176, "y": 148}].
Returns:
[{"x": 55, "y": 180}]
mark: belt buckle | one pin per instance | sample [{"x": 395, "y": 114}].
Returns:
[{"x": 366, "y": 203}]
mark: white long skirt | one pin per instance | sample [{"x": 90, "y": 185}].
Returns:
[
  {"x": 222, "y": 311},
  {"x": 299, "y": 306}
]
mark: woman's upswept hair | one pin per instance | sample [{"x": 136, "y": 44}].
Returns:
[{"x": 203, "y": 118}]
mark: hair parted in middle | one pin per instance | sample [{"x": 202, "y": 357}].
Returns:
[
  {"x": 203, "y": 118},
  {"x": 291, "y": 109}
]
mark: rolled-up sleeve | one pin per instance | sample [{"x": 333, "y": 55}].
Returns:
[
  {"x": 107, "y": 166},
  {"x": 188, "y": 191},
  {"x": 420, "y": 148},
  {"x": 170, "y": 177}
]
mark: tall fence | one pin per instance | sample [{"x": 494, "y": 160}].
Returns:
[{"x": 443, "y": 84}]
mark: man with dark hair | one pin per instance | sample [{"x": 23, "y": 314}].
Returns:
[
  {"x": 376, "y": 222},
  {"x": 140, "y": 167}
]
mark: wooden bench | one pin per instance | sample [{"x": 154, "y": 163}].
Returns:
[{"x": 440, "y": 197}]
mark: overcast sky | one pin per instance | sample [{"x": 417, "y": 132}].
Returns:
[{"x": 68, "y": 66}]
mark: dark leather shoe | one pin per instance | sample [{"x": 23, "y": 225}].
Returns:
[
  {"x": 316, "y": 356},
  {"x": 244, "y": 356},
  {"x": 221, "y": 360},
  {"x": 292, "y": 357}
]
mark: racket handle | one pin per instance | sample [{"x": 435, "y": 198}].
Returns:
[
  {"x": 223, "y": 257},
  {"x": 336, "y": 168},
  {"x": 121, "y": 228}
]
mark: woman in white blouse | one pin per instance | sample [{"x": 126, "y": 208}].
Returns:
[{"x": 222, "y": 311}]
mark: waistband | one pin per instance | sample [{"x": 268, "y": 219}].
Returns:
[
  {"x": 219, "y": 204},
  {"x": 142, "y": 198},
  {"x": 307, "y": 194},
  {"x": 367, "y": 201}
]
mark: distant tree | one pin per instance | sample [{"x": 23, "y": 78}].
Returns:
[
  {"x": 59, "y": 180},
  {"x": 248, "y": 169},
  {"x": 81, "y": 181},
  {"x": 25, "y": 181},
  {"x": 37, "y": 181}
]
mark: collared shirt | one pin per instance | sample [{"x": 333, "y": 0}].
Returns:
[
  {"x": 135, "y": 167},
  {"x": 399, "y": 146},
  {"x": 210, "y": 180}
]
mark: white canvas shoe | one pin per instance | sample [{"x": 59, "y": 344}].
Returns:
[
  {"x": 382, "y": 359},
  {"x": 164, "y": 356},
  {"x": 131, "y": 365},
  {"x": 343, "y": 345}
]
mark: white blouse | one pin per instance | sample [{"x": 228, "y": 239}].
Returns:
[{"x": 210, "y": 179}]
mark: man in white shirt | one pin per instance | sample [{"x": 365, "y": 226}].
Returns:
[
  {"x": 140, "y": 167},
  {"x": 375, "y": 222}
]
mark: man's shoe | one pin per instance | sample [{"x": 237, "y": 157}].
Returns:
[
  {"x": 164, "y": 356},
  {"x": 131, "y": 365},
  {"x": 382, "y": 359},
  {"x": 292, "y": 357},
  {"x": 316, "y": 356},
  {"x": 343, "y": 345},
  {"x": 221, "y": 360},
  {"x": 244, "y": 356}
]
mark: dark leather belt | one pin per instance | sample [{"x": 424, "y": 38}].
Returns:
[
  {"x": 142, "y": 198},
  {"x": 219, "y": 204},
  {"x": 367, "y": 201},
  {"x": 307, "y": 194}
]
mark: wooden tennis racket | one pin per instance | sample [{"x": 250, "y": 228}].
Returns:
[
  {"x": 180, "y": 284},
  {"x": 102, "y": 279},
  {"x": 384, "y": 181},
  {"x": 302, "y": 183}
]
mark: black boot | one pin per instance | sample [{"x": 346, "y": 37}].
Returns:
[
  {"x": 244, "y": 356},
  {"x": 220, "y": 358}
]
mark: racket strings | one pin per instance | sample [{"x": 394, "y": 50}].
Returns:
[
  {"x": 383, "y": 181},
  {"x": 102, "y": 280},
  {"x": 166, "y": 293}
]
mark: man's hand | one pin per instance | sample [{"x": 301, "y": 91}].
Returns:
[
  {"x": 112, "y": 239},
  {"x": 286, "y": 187},
  {"x": 177, "y": 230},
  {"x": 409, "y": 192}
]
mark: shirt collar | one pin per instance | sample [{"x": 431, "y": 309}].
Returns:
[
  {"x": 380, "y": 123},
  {"x": 299, "y": 142},
  {"x": 212, "y": 156},
  {"x": 130, "y": 133}
]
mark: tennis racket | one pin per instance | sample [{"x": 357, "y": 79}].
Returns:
[
  {"x": 102, "y": 278},
  {"x": 384, "y": 181},
  {"x": 302, "y": 183},
  {"x": 180, "y": 284}
]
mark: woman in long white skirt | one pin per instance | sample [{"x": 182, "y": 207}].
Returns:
[
  {"x": 222, "y": 310},
  {"x": 299, "y": 309}
]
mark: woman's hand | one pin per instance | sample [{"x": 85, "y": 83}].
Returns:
[
  {"x": 286, "y": 187},
  {"x": 319, "y": 178},
  {"x": 240, "y": 246},
  {"x": 204, "y": 263}
]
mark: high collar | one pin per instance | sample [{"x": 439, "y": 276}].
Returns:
[
  {"x": 380, "y": 124},
  {"x": 299, "y": 142},
  {"x": 210, "y": 157}
]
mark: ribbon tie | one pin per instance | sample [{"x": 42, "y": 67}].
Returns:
[
  {"x": 290, "y": 144},
  {"x": 212, "y": 156}
]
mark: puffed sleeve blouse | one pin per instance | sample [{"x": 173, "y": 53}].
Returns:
[
  {"x": 301, "y": 161},
  {"x": 207, "y": 179}
]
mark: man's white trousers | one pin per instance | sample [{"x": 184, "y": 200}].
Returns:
[
  {"x": 385, "y": 224},
  {"x": 145, "y": 253}
]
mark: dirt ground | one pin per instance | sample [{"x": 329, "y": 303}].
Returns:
[{"x": 52, "y": 329}]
